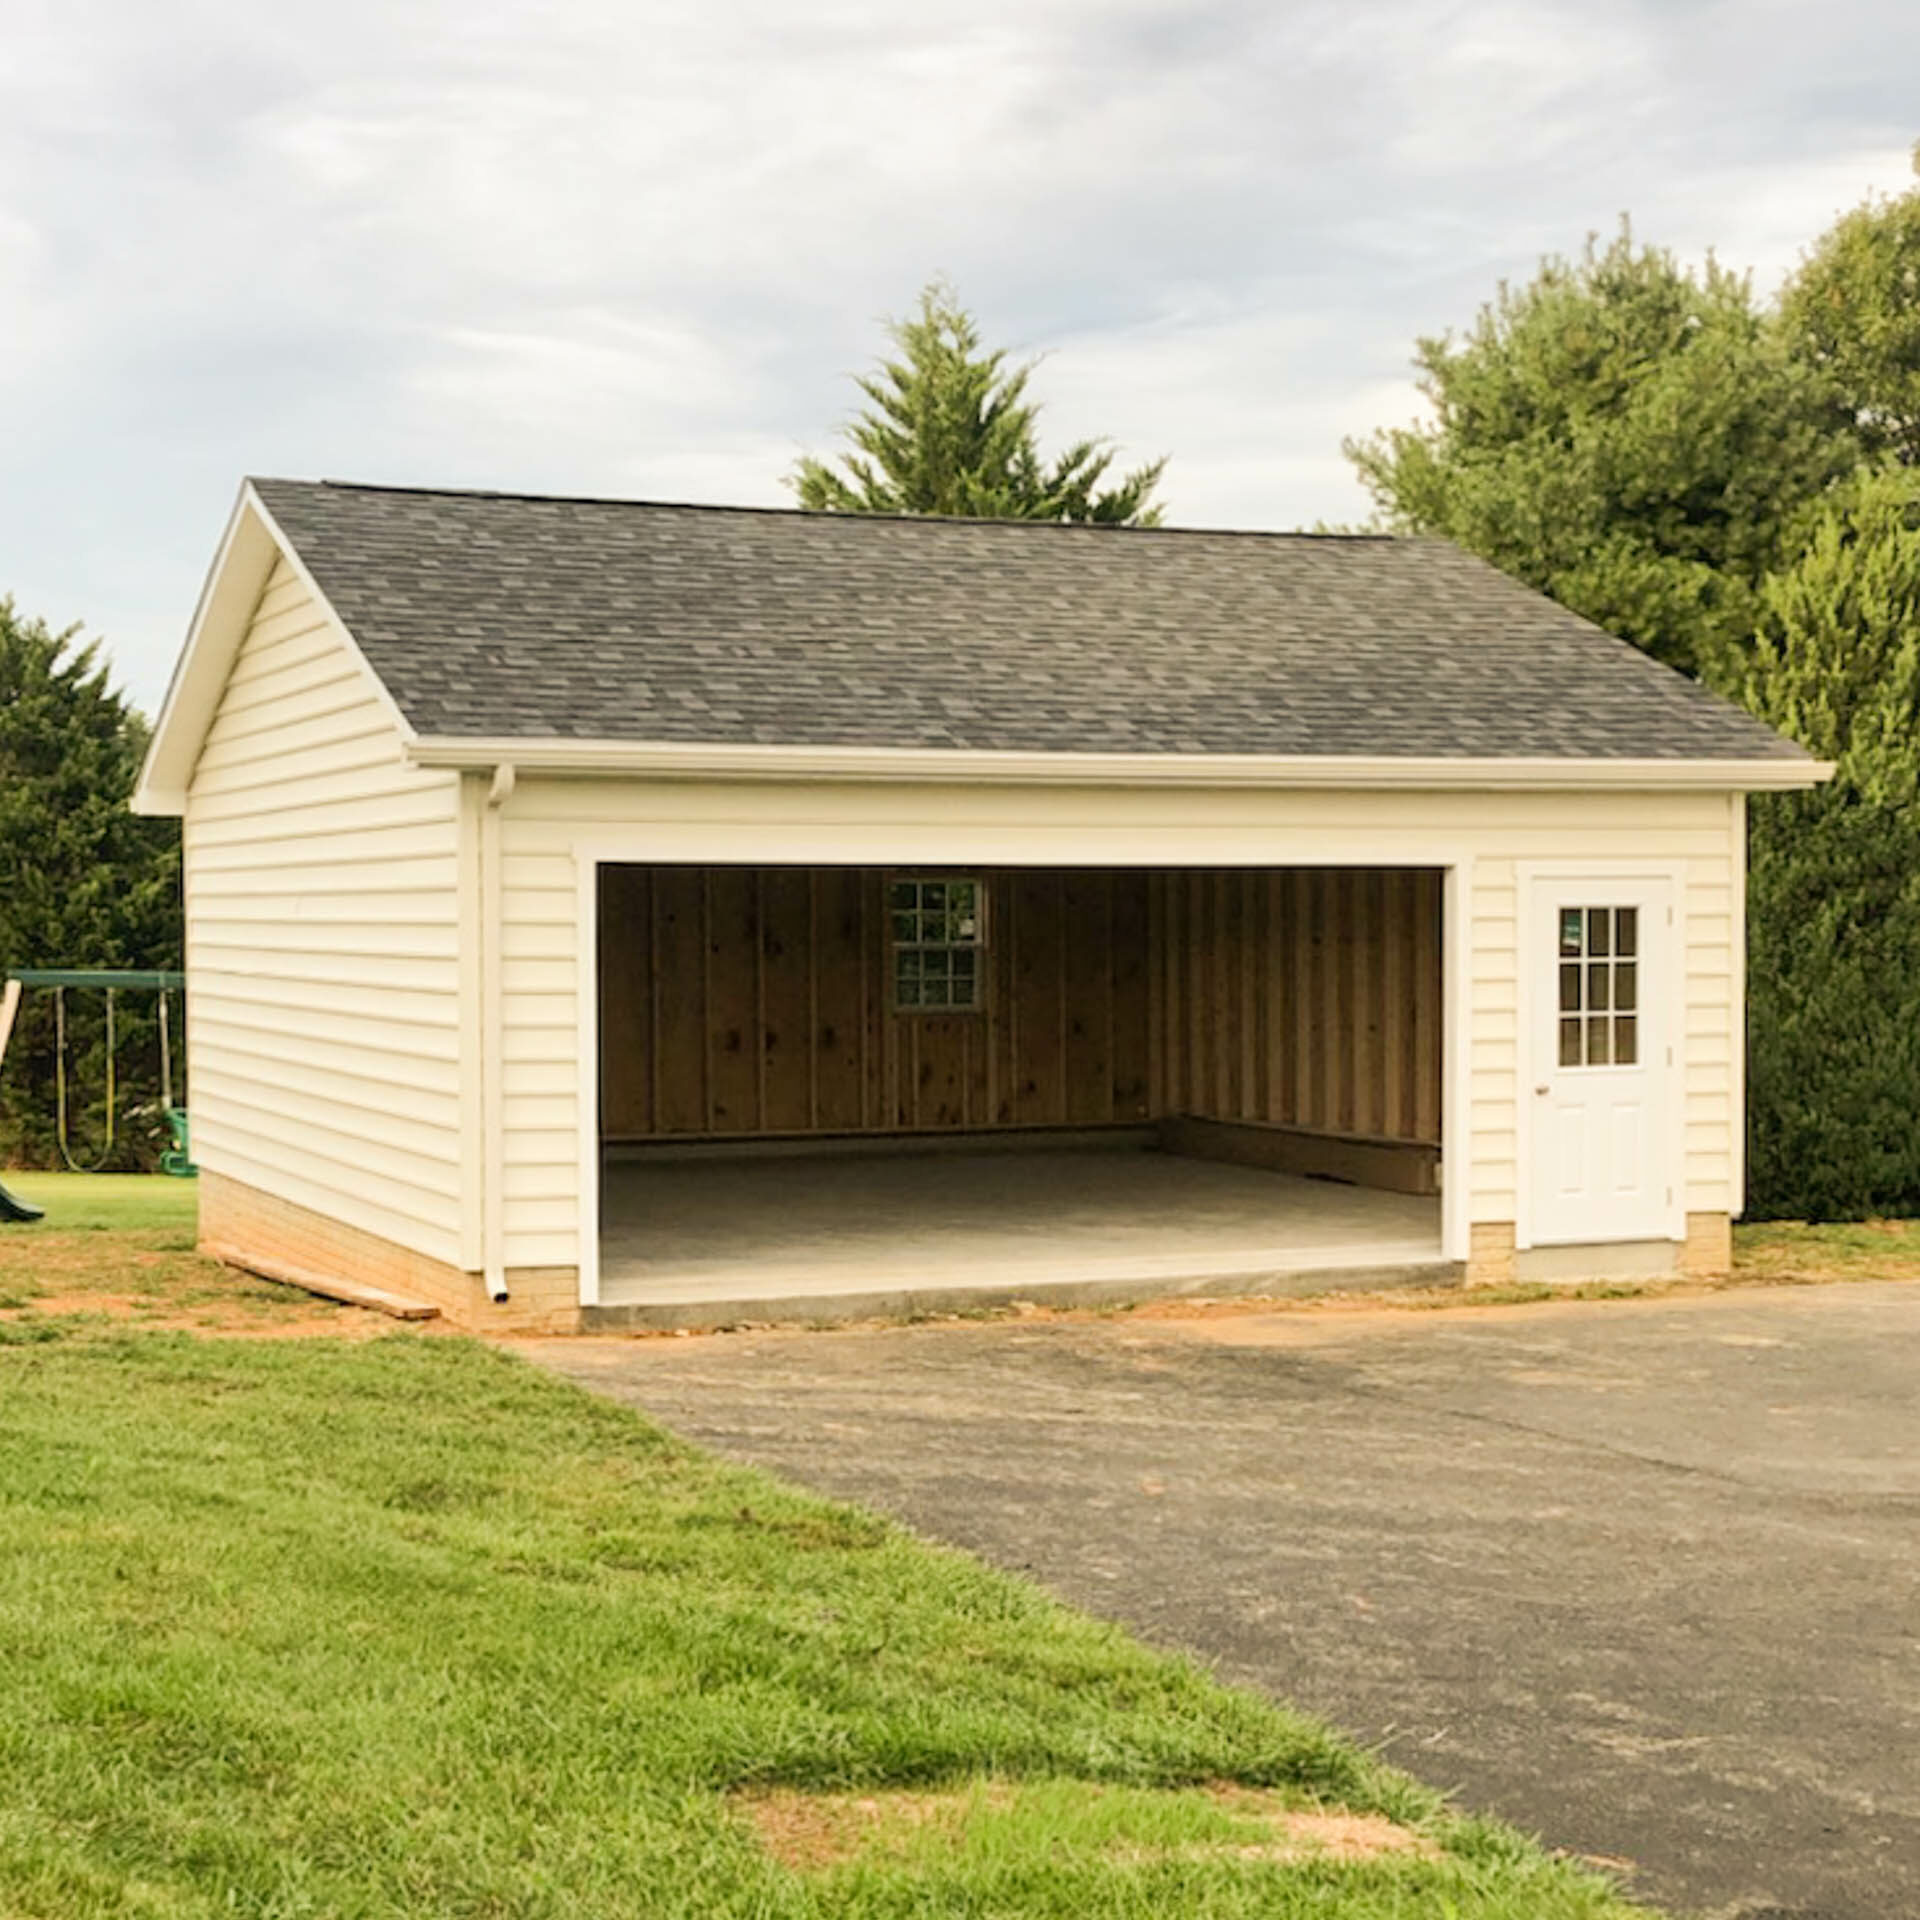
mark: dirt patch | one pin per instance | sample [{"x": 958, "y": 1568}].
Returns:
[
  {"x": 811, "y": 1832},
  {"x": 72, "y": 1282},
  {"x": 816, "y": 1832}
]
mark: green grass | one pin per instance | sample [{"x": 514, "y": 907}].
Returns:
[
  {"x": 1840, "y": 1250},
  {"x": 403, "y": 1626},
  {"x": 145, "y": 1203}
]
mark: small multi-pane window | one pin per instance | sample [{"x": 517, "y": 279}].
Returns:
[
  {"x": 1599, "y": 986},
  {"x": 939, "y": 935}
]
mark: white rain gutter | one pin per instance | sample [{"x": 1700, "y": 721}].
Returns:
[{"x": 666, "y": 760}]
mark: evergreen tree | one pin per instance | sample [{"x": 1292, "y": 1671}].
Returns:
[
  {"x": 1853, "y": 311},
  {"x": 1627, "y": 436},
  {"x": 83, "y": 882},
  {"x": 1834, "y": 889},
  {"x": 949, "y": 429}
]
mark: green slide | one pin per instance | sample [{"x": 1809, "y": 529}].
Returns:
[{"x": 12, "y": 1207}]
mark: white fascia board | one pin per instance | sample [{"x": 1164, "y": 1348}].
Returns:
[
  {"x": 662, "y": 760},
  {"x": 228, "y": 596},
  {"x": 240, "y": 571}
]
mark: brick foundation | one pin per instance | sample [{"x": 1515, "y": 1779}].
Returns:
[
  {"x": 1490, "y": 1253},
  {"x": 251, "y": 1223},
  {"x": 1708, "y": 1247}
]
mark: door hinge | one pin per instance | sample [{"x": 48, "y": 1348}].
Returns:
[{"x": 1669, "y": 1196}]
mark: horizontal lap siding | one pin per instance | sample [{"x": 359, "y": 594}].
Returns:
[
  {"x": 1707, "y": 922},
  {"x": 322, "y": 942}
]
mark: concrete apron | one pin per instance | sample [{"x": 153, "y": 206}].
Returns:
[{"x": 819, "y": 1239}]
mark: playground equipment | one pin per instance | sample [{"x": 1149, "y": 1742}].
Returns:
[{"x": 177, "y": 1159}]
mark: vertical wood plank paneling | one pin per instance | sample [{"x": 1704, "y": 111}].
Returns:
[
  {"x": 1396, "y": 974},
  {"x": 624, "y": 969},
  {"x": 732, "y": 1001},
  {"x": 681, "y": 1029},
  {"x": 1300, "y": 987},
  {"x": 1086, "y": 995},
  {"x": 1276, "y": 998},
  {"x": 1426, "y": 1003},
  {"x": 1040, "y": 1085},
  {"x": 840, "y": 1042},
  {"x": 1369, "y": 1102},
  {"x": 1133, "y": 1022},
  {"x": 811, "y": 1043},
  {"x": 1155, "y": 990},
  {"x": 788, "y": 1055}
]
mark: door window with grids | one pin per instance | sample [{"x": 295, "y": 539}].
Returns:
[
  {"x": 939, "y": 943},
  {"x": 1599, "y": 986}
]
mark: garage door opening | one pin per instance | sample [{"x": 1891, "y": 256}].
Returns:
[{"x": 838, "y": 1089}]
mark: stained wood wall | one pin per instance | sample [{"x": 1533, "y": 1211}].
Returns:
[
  {"x": 740, "y": 1002},
  {"x": 1307, "y": 997}
]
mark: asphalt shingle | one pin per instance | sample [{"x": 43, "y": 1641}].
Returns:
[{"x": 526, "y": 617}]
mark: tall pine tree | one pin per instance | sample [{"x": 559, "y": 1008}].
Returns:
[{"x": 948, "y": 428}]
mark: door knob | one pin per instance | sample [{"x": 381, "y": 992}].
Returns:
[{"x": 1541, "y": 1088}]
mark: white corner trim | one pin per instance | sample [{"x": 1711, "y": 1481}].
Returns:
[
  {"x": 667, "y": 760},
  {"x": 1457, "y": 966},
  {"x": 586, "y": 868}
]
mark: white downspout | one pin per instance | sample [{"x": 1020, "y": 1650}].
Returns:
[{"x": 493, "y": 999}]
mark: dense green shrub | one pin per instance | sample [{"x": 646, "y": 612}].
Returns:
[{"x": 1834, "y": 893}]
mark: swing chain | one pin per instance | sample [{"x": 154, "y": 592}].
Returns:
[{"x": 60, "y": 1085}]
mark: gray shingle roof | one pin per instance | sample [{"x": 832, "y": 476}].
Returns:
[{"x": 505, "y": 616}]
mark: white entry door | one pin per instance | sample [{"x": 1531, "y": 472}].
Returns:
[{"x": 1599, "y": 1111}]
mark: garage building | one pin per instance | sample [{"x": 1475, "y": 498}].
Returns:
[{"x": 603, "y": 913}]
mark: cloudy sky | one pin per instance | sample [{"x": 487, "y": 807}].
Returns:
[{"x": 637, "y": 246}]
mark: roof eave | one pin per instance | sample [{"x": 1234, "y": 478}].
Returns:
[{"x": 670, "y": 760}]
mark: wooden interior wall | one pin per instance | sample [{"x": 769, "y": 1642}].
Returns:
[
  {"x": 1305, "y": 997},
  {"x": 741, "y": 1002},
  {"x": 756, "y": 1001}
]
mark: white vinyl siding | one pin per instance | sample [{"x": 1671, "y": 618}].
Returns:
[
  {"x": 551, "y": 825},
  {"x": 322, "y": 941}
]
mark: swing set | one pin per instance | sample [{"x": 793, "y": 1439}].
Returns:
[{"x": 177, "y": 1158}]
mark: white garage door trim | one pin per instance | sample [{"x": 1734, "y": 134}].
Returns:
[{"x": 881, "y": 844}]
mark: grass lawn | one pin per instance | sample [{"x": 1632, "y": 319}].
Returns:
[
  {"x": 144, "y": 1203},
  {"x": 397, "y": 1625}
]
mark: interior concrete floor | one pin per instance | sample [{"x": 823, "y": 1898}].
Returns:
[{"x": 833, "y": 1236}]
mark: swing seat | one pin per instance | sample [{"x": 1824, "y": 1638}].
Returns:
[{"x": 178, "y": 1158}]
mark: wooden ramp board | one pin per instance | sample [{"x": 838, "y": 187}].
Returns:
[{"x": 352, "y": 1293}]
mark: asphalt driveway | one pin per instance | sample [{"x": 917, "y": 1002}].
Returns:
[{"x": 1642, "y": 1576}]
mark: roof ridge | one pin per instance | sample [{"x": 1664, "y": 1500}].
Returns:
[{"x": 1331, "y": 536}]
